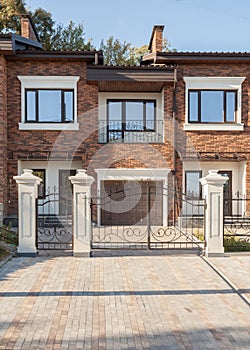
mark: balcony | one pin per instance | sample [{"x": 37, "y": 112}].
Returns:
[{"x": 133, "y": 131}]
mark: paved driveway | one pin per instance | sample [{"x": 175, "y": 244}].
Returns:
[{"x": 133, "y": 302}]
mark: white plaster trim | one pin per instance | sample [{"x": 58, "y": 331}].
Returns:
[
  {"x": 132, "y": 174},
  {"x": 216, "y": 83},
  {"x": 47, "y": 82},
  {"x": 48, "y": 126},
  {"x": 213, "y": 126},
  {"x": 231, "y": 83}
]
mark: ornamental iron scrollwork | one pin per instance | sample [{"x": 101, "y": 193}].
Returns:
[
  {"x": 54, "y": 221},
  {"x": 144, "y": 224},
  {"x": 237, "y": 223}
]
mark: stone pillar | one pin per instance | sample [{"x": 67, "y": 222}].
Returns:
[
  {"x": 27, "y": 194},
  {"x": 213, "y": 191},
  {"x": 81, "y": 212}
]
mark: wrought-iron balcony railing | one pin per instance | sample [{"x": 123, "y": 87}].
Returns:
[{"x": 134, "y": 131}]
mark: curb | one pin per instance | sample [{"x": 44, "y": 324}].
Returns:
[
  {"x": 228, "y": 281},
  {"x": 5, "y": 260}
]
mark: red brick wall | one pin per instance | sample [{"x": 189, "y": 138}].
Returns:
[
  {"x": 3, "y": 131},
  {"x": 94, "y": 155},
  {"x": 26, "y": 29},
  {"x": 216, "y": 141},
  {"x": 85, "y": 140}
]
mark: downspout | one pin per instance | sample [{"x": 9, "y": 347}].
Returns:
[{"x": 174, "y": 145}]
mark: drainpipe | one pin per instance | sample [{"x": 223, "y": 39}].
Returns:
[{"x": 174, "y": 144}]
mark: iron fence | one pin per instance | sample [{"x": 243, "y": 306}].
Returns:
[{"x": 237, "y": 223}]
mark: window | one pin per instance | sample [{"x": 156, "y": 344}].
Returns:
[
  {"x": 49, "y": 106},
  {"x": 213, "y": 103},
  {"x": 192, "y": 184},
  {"x": 126, "y": 116},
  {"x": 212, "y": 106},
  {"x": 42, "y": 186},
  {"x": 49, "y": 102}
]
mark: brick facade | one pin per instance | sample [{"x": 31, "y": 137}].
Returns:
[
  {"x": 85, "y": 141},
  {"x": 18, "y": 145},
  {"x": 3, "y": 132}
]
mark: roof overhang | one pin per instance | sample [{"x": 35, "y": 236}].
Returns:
[
  {"x": 109, "y": 78},
  {"x": 194, "y": 57}
]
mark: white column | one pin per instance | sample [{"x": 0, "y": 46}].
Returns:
[
  {"x": 1, "y": 214},
  {"x": 213, "y": 191},
  {"x": 27, "y": 194},
  {"x": 81, "y": 212}
]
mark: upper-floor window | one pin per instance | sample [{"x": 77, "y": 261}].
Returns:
[
  {"x": 49, "y": 106},
  {"x": 48, "y": 102},
  {"x": 212, "y": 106},
  {"x": 131, "y": 117},
  {"x": 213, "y": 103},
  {"x": 126, "y": 116}
]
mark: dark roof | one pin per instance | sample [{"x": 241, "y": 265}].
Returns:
[
  {"x": 175, "y": 57},
  {"x": 204, "y": 53},
  {"x": 42, "y": 54},
  {"x": 145, "y": 67},
  {"x": 12, "y": 42},
  {"x": 59, "y": 52},
  {"x": 8, "y": 35}
]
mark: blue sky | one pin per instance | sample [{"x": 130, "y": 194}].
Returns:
[{"x": 190, "y": 25}]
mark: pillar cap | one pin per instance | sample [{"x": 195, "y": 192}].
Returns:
[
  {"x": 214, "y": 178},
  {"x": 81, "y": 177},
  {"x": 27, "y": 177}
]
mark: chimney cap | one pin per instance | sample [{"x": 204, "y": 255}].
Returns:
[
  {"x": 158, "y": 26},
  {"x": 25, "y": 15}
]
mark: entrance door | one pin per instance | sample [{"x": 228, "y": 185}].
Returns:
[
  {"x": 227, "y": 192},
  {"x": 128, "y": 203},
  {"x": 65, "y": 191}
]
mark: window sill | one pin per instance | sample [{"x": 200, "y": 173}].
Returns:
[
  {"x": 48, "y": 126},
  {"x": 217, "y": 127}
]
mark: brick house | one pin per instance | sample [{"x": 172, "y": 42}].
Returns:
[{"x": 164, "y": 123}]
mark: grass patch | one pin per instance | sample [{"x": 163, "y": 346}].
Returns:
[
  {"x": 3, "y": 253},
  {"x": 235, "y": 244},
  {"x": 8, "y": 236}
]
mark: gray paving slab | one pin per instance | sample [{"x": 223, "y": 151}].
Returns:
[
  {"x": 124, "y": 302},
  {"x": 236, "y": 267}
]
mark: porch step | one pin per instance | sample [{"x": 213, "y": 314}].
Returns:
[
  {"x": 58, "y": 252},
  {"x": 95, "y": 253}
]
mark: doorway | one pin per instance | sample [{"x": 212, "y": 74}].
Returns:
[{"x": 227, "y": 192}]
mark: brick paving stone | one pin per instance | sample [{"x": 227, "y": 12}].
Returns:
[{"x": 125, "y": 302}]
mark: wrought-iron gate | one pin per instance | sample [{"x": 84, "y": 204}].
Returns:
[
  {"x": 237, "y": 223},
  {"x": 54, "y": 222},
  {"x": 150, "y": 218}
]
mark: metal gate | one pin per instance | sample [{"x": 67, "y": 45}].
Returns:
[
  {"x": 54, "y": 222},
  {"x": 237, "y": 223},
  {"x": 152, "y": 218}
]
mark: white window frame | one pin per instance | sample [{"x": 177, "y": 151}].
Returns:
[
  {"x": 214, "y": 83},
  {"x": 103, "y": 97},
  {"x": 48, "y": 82}
]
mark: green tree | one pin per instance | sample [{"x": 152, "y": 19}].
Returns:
[
  {"x": 45, "y": 26},
  {"x": 118, "y": 53},
  {"x": 52, "y": 36},
  {"x": 10, "y": 11},
  {"x": 71, "y": 37}
]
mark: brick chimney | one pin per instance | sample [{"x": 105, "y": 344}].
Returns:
[
  {"x": 155, "y": 44},
  {"x": 28, "y": 29}
]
